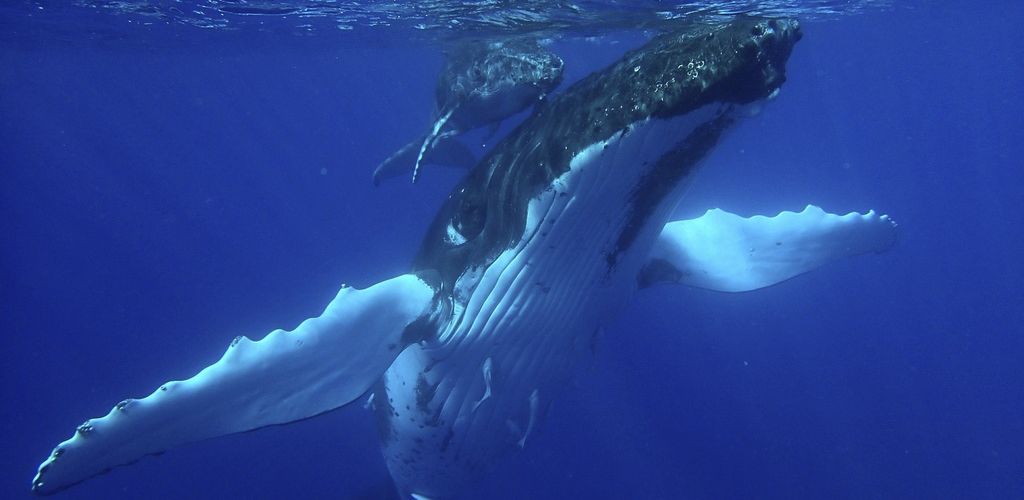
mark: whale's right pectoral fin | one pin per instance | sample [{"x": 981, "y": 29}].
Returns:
[
  {"x": 326, "y": 362},
  {"x": 729, "y": 253}
]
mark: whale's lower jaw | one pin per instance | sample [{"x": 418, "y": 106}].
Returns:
[{"x": 448, "y": 407}]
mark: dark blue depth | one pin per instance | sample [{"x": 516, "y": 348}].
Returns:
[{"x": 157, "y": 201}]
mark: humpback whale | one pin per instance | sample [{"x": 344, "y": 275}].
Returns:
[
  {"x": 545, "y": 240},
  {"x": 482, "y": 83}
]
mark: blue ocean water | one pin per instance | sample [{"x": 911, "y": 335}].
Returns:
[{"x": 165, "y": 189}]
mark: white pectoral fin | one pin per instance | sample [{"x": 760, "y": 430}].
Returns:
[
  {"x": 726, "y": 252},
  {"x": 447, "y": 150},
  {"x": 324, "y": 363},
  {"x": 429, "y": 142}
]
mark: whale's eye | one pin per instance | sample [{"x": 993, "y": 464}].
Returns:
[{"x": 470, "y": 216}]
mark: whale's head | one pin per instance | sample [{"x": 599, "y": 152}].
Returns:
[{"x": 672, "y": 76}]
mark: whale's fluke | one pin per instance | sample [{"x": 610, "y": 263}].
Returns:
[
  {"x": 324, "y": 363},
  {"x": 729, "y": 253}
]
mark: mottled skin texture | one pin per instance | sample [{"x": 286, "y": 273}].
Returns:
[{"x": 485, "y": 82}]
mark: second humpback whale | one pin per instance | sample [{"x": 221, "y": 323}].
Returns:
[
  {"x": 482, "y": 83},
  {"x": 545, "y": 241}
]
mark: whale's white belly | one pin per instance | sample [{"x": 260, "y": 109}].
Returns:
[{"x": 446, "y": 408}]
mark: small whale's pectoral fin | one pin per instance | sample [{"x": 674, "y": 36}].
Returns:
[
  {"x": 429, "y": 142},
  {"x": 398, "y": 163},
  {"x": 729, "y": 253},
  {"x": 324, "y": 363},
  {"x": 447, "y": 151}
]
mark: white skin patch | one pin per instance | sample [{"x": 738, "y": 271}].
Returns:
[
  {"x": 487, "y": 383},
  {"x": 454, "y": 236},
  {"x": 534, "y": 402}
]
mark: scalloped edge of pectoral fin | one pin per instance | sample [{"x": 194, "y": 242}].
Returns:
[
  {"x": 324, "y": 363},
  {"x": 726, "y": 252}
]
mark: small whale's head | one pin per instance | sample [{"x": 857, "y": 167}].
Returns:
[{"x": 488, "y": 81}]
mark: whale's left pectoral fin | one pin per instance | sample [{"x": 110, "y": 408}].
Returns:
[
  {"x": 726, "y": 252},
  {"x": 324, "y": 363}
]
